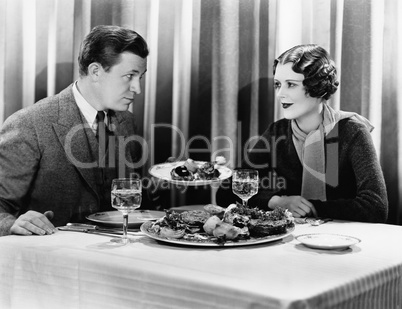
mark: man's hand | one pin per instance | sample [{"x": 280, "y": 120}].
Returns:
[
  {"x": 297, "y": 205},
  {"x": 33, "y": 222}
]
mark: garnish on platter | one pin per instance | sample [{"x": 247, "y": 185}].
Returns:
[
  {"x": 218, "y": 225},
  {"x": 191, "y": 172}
]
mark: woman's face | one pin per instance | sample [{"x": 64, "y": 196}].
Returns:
[{"x": 292, "y": 96}]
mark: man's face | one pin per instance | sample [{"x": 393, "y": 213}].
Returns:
[{"x": 117, "y": 88}]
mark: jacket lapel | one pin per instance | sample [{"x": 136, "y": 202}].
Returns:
[
  {"x": 76, "y": 137},
  {"x": 124, "y": 149},
  {"x": 120, "y": 125}
]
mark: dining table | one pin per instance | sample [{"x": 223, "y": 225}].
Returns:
[{"x": 70, "y": 269}]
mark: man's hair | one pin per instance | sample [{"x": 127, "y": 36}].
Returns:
[
  {"x": 314, "y": 62},
  {"x": 104, "y": 44}
]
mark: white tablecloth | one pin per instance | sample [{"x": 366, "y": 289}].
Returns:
[{"x": 76, "y": 270}]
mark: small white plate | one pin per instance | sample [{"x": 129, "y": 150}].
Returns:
[
  {"x": 162, "y": 171},
  {"x": 327, "y": 241},
  {"x": 135, "y": 219}
]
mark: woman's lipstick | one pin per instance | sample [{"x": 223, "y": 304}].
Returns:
[{"x": 286, "y": 105}]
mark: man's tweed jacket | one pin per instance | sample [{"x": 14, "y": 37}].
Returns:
[{"x": 47, "y": 159}]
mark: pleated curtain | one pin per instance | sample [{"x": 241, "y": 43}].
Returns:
[{"x": 209, "y": 87}]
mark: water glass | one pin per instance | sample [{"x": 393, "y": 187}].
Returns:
[
  {"x": 245, "y": 184},
  {"x": 126, "y": 195}
]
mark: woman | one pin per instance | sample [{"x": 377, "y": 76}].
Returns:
[{"x": 316, "y": 161}]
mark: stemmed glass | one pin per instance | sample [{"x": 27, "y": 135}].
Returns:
[
  {"x": 126, "y": 197},
  {"x": 245, "y": 184}
]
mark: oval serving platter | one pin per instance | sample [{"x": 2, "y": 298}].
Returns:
[
  {"x": 210, "y": 243},
  {"x": 162, "y": 171}
]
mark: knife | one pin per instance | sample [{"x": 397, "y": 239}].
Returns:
[
  {"x": 99, "y": 231},
  {"x": 98, "y": 228}
]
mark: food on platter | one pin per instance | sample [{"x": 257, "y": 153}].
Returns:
[
  {"x": 261, "y": 228},
  {"x": 181, "y": 173},
  {"x": 190, "y": 170},
  {"x": 226, "y": 231},
  {"x": 194, "y": 217},
  {"x": 211, "y": 224},
  {"x": 220, "y": 160},
  {"x": 192, "y": 173},
  {"x": 215, "y": 210},
  {"x": 208, "y": 171},
  {"x": 235, "y": 223},
  {"x": 191, "y": 165},
  {"x": 235, "y": 217},
  {"x": 170, "y": 233}
]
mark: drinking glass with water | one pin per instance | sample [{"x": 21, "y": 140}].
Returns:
[
  {"x": 126, "y": 197},
  {"x": 245, "y": 184}
]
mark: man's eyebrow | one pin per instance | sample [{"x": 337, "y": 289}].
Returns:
[
  {"x": 135, "y": 71},
  {"x": 290, "y": 80}
]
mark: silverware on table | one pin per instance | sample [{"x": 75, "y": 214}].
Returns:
[
  {"x": 317, "y": 222},
  {"x": 312, "y": 221},
  {"x": 94, "y": 229}
]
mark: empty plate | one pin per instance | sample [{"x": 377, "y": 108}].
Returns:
[
  {"x": 135, "y": 219},
  {"x": 327, "y": 241}
]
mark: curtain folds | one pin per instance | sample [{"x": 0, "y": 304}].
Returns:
[
  {"x": 209, "y": 87},
  {"x": 225, "y": 77}
]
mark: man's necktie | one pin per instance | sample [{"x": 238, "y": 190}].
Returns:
[
  {"x": 104, "y": 171},
  {"x": 102, "y": 132}
]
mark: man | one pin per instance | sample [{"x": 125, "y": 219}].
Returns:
[{"x": 59, "y": 156}]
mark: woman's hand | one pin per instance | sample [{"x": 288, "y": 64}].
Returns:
[
  {"x": 33, "y": 222},
  {"x": 296, "y": 204}
]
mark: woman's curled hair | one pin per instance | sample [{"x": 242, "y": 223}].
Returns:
[{"x": 314, "y": 62}]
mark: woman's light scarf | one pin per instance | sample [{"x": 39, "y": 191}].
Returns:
[{"x": 311, "y": 151}]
